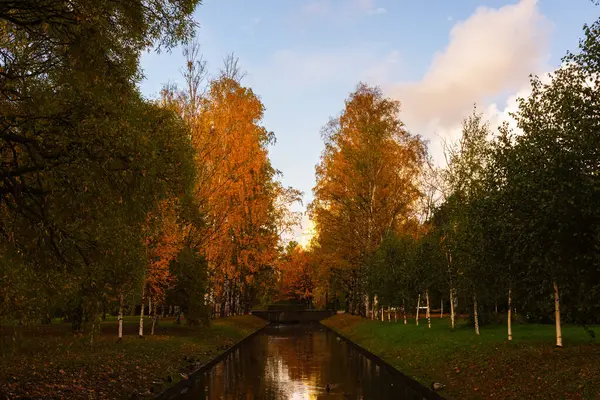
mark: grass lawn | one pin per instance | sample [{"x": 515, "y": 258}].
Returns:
[
  {"x": 488, "y": 366},
  {"x": 50, "y": 362}
]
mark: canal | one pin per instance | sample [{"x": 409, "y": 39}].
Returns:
[{"x": 299, "y": 362}]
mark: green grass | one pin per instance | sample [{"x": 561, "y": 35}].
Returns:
[
  {"x": 485, "y": 366},
  {"x": 50, "y": 362}
]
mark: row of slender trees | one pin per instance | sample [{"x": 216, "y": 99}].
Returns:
[
  {"x": 107, "y": 199},
  {"x": 511, "y": 223}
]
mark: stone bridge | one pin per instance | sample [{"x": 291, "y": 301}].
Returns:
[{"x": 293, "y": 316}]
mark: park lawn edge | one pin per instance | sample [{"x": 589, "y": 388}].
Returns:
[
  {"x": 482, "y": 367},
  {"x": 66, "y": 367}
]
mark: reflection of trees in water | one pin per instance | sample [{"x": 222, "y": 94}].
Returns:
[
  {"x": 237, "y": 374},
  {"x": 293, "y": 359},
  {"x": 296, "y": 362}
]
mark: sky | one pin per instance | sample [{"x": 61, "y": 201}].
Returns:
[{"x": 437, "y": 57}]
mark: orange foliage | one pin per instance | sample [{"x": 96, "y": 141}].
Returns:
[
  {"x": 298, "y": 275},
  {"x": 366, "y": 182},
  {"x": 163, "y": 242},
  {"x": 235, "y": 186}
]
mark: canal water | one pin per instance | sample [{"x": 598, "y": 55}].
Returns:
[{"x": 298, "y": 362}]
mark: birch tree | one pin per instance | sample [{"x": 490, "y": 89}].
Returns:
[{"x": 465, "y": 174}]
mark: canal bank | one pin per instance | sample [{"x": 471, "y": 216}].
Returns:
[
  {"x": 486, "y": 366},
  {"x": 50, "y": 362},
  {"x": 182, "y": 387},
  {"x": 283, "y": 361},
  {"x": 414, "y": 385}
]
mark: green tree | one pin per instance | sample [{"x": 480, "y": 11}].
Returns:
[{"x": 83, "y": 157}]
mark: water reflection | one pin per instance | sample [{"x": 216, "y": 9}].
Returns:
[{"x": 297, "y": 362}]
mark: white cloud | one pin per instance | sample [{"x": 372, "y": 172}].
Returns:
[
  {"x": 378, "y": 11},
  {"x": 364, "y": 5},
  {"x": 489, "y": 54},
  {"x": 347, "y": 8},
  {"x": 368, "y": 7},
  {"x": 251, "y": 26},
  {"x": 380, "y": 72},
  {"x": 312, "y": 68},
  {"x": 316, "y": 7}
]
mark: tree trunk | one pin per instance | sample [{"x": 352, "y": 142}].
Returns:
[
  {"x": 428, "y": 313},
  {"x": 373, "y": 307},
  {"x": 389, "y": 314},
  {"x": 120, "y": 317},
  {"x": 496, "y": 309},
  {"x": 382, "y": 313},
  {"x": 46, "y": 319},
  {"x": 452, "y": 307},
  {"x": 557, "y": 316},
  {"x": 222, "y": 306},
  {"x": 95, "y": 316},
  {"x": 404, "y": 311},
  {"x": 418, "y": 306},
  {"x": 177, "y": 315},
  {"x": 154, "y": 319},
  {"x": 141, "y": 332},
  {"x": 509, "y": 314},
  {"x": 366, "y": 306},
  {"x": 475, "y": 316},
  {"x": 93, "y": 331},
  {"x": 442, "y": 309}
]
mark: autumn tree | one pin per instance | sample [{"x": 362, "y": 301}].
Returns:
[
  {"x": 298, "y": 275},
  {"x": 242, "y": 206},
  {"x": 366, "y": 184}
]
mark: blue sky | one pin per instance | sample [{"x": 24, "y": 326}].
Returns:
[{"x": 438, "y": 57}]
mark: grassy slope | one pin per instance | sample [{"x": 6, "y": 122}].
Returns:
[
  {"x": 50, "y": 362},
  {"x": 487, "y": 366}
]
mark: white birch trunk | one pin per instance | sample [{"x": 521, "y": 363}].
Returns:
[
  {"x": 475, "y": 316},
  {"x": 374, "y": 312},
  {"x": 404, "y": 312},
  {"x": 367, "y": 306},
  {"x": 141, "y": 333},
  {"x": 382, "y": 314},
  {"x": 557, "y": 316},
  {"x": 418, "y": 306},
  {"x": 452, "y": 307},
  {"x": 442, "y": 309},
  {"x": 509, "y": 321},
  {"x": 428, "y": 311},
  {"x": 120, "y": 317},
  {"x": 149, "y": 306},
  {"x": 396, "y": 314}
]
